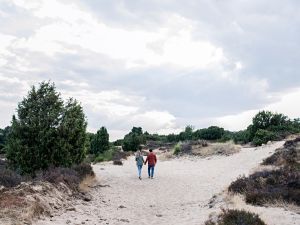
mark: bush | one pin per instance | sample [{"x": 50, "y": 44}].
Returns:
[
  {"x": 263, "y": 136},
  {"x": 100, "y": 141},
  {"x": 269, "y": 186},
  {"x": 236, "y": 217},
  {"x": 134, "y": 139},
  {"x": 83, "y": 170},
  {"x": 56, "y": 175},
  {"x": 210, "y": 133},
  {"x": 241, "y": 137},
  {"x": 9, "y": 178},
  {"x": 46, "y": 131},
  {"x": 177, "y": 149},
  {"x": 289, "y": 155}
]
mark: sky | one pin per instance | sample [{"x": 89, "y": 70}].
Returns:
[{"x": 159, "y": 64}]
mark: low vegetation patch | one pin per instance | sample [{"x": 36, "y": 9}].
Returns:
[
  {"x": 289, "y": 155},
  {"x": 69, "y": 176},
  {"x": 281, "y": 184},
  {"x": 204, "y": 149},
  {"x": 112, "y": 154},
  {"x": 269, "y": 187},
  {"x": 235, "y": 217},
  {"x": 8, "y": 177}
]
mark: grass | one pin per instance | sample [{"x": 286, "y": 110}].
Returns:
[
  {"x": 227, "y": 148},
  {"x": 236, "y": 217},
  {"x": 177, "y": 149}
]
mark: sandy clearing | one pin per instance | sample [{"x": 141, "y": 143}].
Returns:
[{"x": 179, "y": 194}]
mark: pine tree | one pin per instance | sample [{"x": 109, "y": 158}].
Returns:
[
  {"x": 100, "y": 142},
  {"x": 46, "y": 132}
]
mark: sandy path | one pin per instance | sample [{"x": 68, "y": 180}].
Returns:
[{"x": 179, "y": 194}]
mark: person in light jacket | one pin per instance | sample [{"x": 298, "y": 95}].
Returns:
[{"x": 139, "y": 162}]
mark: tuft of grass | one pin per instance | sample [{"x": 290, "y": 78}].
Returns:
[
  {"x": 236, "y": 217},
  {"x": 177, "y": 149}
]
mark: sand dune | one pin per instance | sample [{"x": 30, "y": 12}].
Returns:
[{"x": 179, "y": 194}]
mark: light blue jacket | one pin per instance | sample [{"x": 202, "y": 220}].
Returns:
[{"x": 139, "y": 160}]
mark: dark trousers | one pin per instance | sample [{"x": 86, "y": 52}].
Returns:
[{"x": 150, "y": 170}]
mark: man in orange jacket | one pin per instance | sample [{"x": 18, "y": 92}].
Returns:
[{"x": 151, "y": 159}]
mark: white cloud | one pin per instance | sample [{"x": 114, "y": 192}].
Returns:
[
  {"x": 74, "y": 26},
  {"x": 287, "y": 105}
]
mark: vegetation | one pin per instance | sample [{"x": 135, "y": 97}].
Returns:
[
  {"x": 3, "y": 138},
  {"x": 267, "y": 126},
  {"x": 276, "y": 185},
  {"x": 100, "y": 142},
  {"x": 289, "y": 155},
  {"x": 69, "y": 176},
  {"x": 134, "y": 139},
  {"x": 46, "y": 132},
  {"x": 177, "y": 149},
  {"x": 236, "y": 217},
  {"x": 105, "y": 156}
]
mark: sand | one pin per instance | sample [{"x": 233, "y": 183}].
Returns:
[{"x": 179, "y": 193}]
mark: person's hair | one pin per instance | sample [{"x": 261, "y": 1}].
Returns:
[{"x": 150, "y": 150}]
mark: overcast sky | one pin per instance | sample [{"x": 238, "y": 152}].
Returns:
[{"x": 159, "y": 64}]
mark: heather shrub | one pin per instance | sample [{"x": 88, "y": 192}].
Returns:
[
  {"x": 9, "y": 178},
  {"x": 269, "y": 186},
  {"x": 83, "y": 170},
  {"x": 236, "y": 217},
  {"x": 56, "y": 175}
]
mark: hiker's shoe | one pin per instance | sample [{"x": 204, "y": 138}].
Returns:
[
  {"x": 149, "y": 177},
  {"x": 140, "y": 178}
]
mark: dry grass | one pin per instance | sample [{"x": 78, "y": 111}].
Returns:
[
  {"x": 86, "y": 183},
  {"x": 227, "y": 148}
]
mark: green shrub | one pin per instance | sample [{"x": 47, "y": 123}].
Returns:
[
  {"x": 242, "y": 137},
  {"x": 263, "y": 136},
  {"x": 100, "y": 141},
  {"x": 46, "y": 131},
  {"x": 134, "y": 139},
  {"x": 236, "y": 217},
  {"x": 105, "y": 156},
  {"x": 177, "y": 149}
]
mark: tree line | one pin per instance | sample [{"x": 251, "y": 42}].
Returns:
[{"x": 47, "y": 131}]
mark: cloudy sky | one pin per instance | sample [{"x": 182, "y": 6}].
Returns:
[{"x": 159, "y": 64}]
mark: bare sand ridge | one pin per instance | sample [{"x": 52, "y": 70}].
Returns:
[{"x": 179, "y": 194}]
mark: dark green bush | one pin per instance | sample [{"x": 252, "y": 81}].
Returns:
[
  {"x": 263, "y": 136},
  {"x": 236, "y": 217},
  {"x": 134, "y": 139},
  {"x": 100, "y": 141}
]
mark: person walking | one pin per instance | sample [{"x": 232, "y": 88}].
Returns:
[
  {"x": 139, "y": 162},
  {"x": 152, "y": 160}
]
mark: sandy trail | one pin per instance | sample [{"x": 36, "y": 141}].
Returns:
[{"x": 179, "y": 194}]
